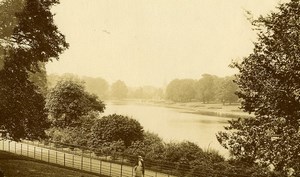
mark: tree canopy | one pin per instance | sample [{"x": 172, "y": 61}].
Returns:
[
  {"x": 209, "y": 88},
  {"x": 34, "y": 37},
  {"x": 269, "y": 87},
  {"x": 119, "y": 90},
  {"x": 227, "y": 89},
  {"x": 68, "y": 101},
  {"x": 28, "y": 37},
  {"x": 114, "y": 128},
  {"x": 206, "y": 88},
  {"x": 22, "y": 112},
  {"x": 97, "y": 86},
  {"x": 181, "y": 90}
]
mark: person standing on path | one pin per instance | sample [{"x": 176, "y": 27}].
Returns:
[{"x": 139, "y": 168}]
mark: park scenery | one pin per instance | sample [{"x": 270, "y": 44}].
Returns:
[{"x": 177, "y": 89}]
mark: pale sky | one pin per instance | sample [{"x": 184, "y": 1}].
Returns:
[{"x": 151, "y": 42}]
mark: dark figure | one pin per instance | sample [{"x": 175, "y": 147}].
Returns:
[{"x": 139, "y": 168}]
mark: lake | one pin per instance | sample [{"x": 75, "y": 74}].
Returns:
[{"x": 174, "y": 124}]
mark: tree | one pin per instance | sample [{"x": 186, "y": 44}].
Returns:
[
  {"x": 119, "y": 90},
  {"x": 28, "y": 37},
  {"x": 181, "y": 90},
  {"x": 22, "y": 112},
  {"x": 227, "y": 89},
  {"x": 205, "y": 88},
  {"x": 97, "y": 86},
  {"x": 39, "y": 78},
  {"x": 67, "y": 102},
  {"x": 269, "y": 87},
  {"x": 35, "y": 38},
  {"x": 115, "y": 127}
]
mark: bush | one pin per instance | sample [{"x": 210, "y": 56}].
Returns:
[
  {"x": 115, "y": 127},
  {"x": 114, "y": 149},
  {"x": 68, "y": 102},
  {"x": 151, "y": 148},
  {"x": 78, "y": 135}
]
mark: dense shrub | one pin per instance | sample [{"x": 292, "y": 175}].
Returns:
[
  {"x": 78, "y": 135},
  {"x": 151, "y": 148},
  {"x": 114, "y": 149},
  {"x": 115, "y": 127}
]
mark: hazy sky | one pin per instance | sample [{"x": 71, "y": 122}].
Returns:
[{"x": 151, "y": 42}]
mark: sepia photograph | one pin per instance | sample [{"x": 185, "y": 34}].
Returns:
[{"x": 148, "y": 88}]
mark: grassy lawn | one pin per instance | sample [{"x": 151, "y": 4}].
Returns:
[{"x": 18, "y": 166}]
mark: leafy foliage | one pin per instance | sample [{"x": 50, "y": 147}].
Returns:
[
  {"x": 227, "y": 90},
  {"x": 35, "y": 37},
  {"x": 206, "y": 88},
  {"x": 77, "y": 135},
  {"x": 151, "y": 147},
  {"x": 113, "y": 149},
  {"x": 67, "y": 102},
  {"x": 97, "y": 86},
  {"x": 22, "y": 112},
  {"x": 181, "y": 90},
  {"x": 119, "y": 90},
  {"x": 269, "y": 87},
  {"x": 115, "y": 127},
  {"x": 146, "y": 92},
  {"x": 28, "y": 37},
  {"x": 39, "y": 78}
]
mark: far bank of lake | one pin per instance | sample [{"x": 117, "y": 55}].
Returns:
[
  {"x": 209, "y": 109},
  {"x": 176, "y": 122}
]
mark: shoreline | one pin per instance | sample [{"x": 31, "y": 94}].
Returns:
[{"x": 211, "y": 109}]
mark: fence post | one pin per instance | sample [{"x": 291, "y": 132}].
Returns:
[
  {"x": 34, "y": 152},
  {"x": 122, "y": 166},
  {"x": 132, "y": 171},
  {"x": 8, "y": 146},
  {"x": 27, "y": 150},
  {"x": 81, "y": 167},
  {"x": 90, "y": 161},
  {"x": 109, "y": 168},
  {"x": 3, "y": 144},
  {"x": 21, "y": 149},
  {"x": 100, "y": 164},
  {"x": 56, "y": 157},
  {"x": 73, "y": 160},
  {"x": 64, "y": 159},
  {"x": 41, "y": 154},
  {"x": 48, "y": 155}
]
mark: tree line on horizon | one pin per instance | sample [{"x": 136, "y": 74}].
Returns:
[
  {"x": 208, "y": 89},
  {"x": 118, "y": 90}
]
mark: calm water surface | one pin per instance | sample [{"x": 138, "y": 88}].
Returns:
[{"x": 174, "y": 124}]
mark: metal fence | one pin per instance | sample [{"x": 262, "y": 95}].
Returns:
[
  {"x": 85, "y": 159},
  {"x": 75, "y": 158}
]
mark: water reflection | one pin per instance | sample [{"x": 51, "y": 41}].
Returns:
[{"x": 174, "y": 124}]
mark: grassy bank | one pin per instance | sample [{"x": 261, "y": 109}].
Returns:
[{"x": 18, "y": 166}]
